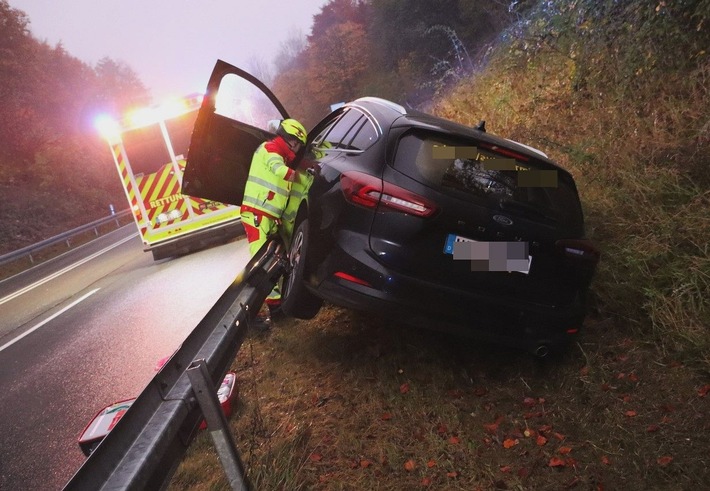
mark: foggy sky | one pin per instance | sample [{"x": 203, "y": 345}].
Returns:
[{"x": 172, "y": 45}]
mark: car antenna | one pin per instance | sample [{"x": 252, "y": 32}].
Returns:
[{"x": 481, "y": 126}]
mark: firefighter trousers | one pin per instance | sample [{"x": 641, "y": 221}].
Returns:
[{"x": 258, "y": 228}]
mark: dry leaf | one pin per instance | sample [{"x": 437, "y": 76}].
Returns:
[
  {"x": 559, "y": 436},
  {"x": 565, "y": 450},
  {"x": 652, "y": 428},
  {"x": 605, "y": 460},
  {"x": 556, "y": 462},
  {"x": 541, "y": 440},
  {"x": 703, "y": 391},
  {"x": 529, "y": 402},
  {"x": 409, "y": 465},
  {"x": 505, "y": 468},
  {"x": 630, "y": 413},
  {"x": 404, "y": 388},
  {"x": 452, "y": 474},
  {"x": 426, "y": 481},
  {"x": 454, "y": 440},
  {"x": 509, "y": 442},
  {"x": 664, "y": 461},
  {"x": 386, "y": 416},
  {"x": 431, "y": 463},
  {"x": 316, "y": 457}
]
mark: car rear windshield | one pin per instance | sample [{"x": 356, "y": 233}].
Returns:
[{"x": 496, "y": 177}]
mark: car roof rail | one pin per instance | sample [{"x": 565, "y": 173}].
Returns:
[{"x": 383, "y": 102}]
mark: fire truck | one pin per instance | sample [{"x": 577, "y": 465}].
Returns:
[{"x": 149, "y": 147}]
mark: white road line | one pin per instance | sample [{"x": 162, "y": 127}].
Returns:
[
  {"x": 62, "y": 271},
  {"x": 50, "y": 318}
]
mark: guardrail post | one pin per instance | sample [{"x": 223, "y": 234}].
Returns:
[{"x": 217, "y": 425}]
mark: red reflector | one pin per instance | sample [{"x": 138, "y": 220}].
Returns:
[
  {"x": 369, "y": 191},
  {"x": 572, "y": 331},
  {"x": 351, "y": 278}
]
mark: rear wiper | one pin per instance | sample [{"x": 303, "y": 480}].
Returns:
[{"x": 527, "y": 208}]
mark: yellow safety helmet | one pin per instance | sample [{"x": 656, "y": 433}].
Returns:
[{"x": 291, "y": 127}]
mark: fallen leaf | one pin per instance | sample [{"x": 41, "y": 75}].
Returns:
[
  {"x": 605, "y": 460},
  {"x": 630, "y": 413},
  {"x": 626, "y": 398},
  {"x": 621, "y": 376},
  {"x": 536, "y": 414},
  {"x": 556, "y": 462},
  {"x": 652, "y": 428},
  {"x": 442, "y": 429},
  {"x": 529, "y": 402},
  {"x": 404, "y": 388},
  {"x": 565, "y": 450},
  {"x": 559, "y": 436},
  {"x": 505, "y": 468},
  {"x": 364, "y": 463},
  {"x": 386, "y": 416},
  {"x": 541, "y": 440},
  {"x": 606, "y": 387},
  {"x": 664, "y": 461},
  {"x": 622, "y": 358},
  {"x": 528, "y": 432},
  {"x": 544, "y": 428},
  {"x": 431, "y": 463},
  {"x": 455, "y": 393},
  {"x": 409, "y": 465},
  {"x": 509, "y": 442},
  {"x": 454, "y": 440},
  {"x": 316, "y": 457},
  {"x": 703, "y": 391},
  {"x": 452, "y": 474},
  {"x": 633, "y": 377},
  {"x": 584, "y": 370},
  {"x": 570, "y": 462},
  {"x": 523, "y": 472},
  {"x": 426, "y": 481}
]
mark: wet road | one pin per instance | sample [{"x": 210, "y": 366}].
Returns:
[{"x": 87, "y": 330}]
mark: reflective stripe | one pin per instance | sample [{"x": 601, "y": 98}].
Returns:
[
  {"x": 266, "y": 206},
  {"x": 271, "y": 186}
]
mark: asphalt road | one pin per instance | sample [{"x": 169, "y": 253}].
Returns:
[{"x": 86, "y": 330}]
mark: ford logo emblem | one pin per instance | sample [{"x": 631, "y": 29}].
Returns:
[{"x": 503, "y": 220}]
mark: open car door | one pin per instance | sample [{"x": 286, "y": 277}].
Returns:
[{"x": 238, "y": 113}]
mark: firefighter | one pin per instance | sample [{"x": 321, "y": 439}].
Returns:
[{"x": 266, "y": 195}]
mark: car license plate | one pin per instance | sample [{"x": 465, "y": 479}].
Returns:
[{"x": 491, "y": 256}]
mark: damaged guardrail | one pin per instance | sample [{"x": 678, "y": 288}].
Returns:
[{"x": 145, "y": 447}]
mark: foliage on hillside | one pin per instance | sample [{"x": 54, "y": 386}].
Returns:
[
  {"x": 55, "y": 172},
  {"x": 403, "y": 51},
  {"x": 618, "y": 92}
]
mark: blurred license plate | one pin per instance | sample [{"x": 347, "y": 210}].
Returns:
[{"x": 490, "y": 256}]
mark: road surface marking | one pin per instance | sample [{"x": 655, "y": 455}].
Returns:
[
  {"x": 50, "y": 318},
  {"x": 62, "y": 271}
]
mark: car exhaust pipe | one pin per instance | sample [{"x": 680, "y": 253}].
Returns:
[{"x": 542, "y": 351}]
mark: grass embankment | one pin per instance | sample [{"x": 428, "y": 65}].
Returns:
[
  {"x": 345, "y": 402},
  {"x": 618, "y": 94}
]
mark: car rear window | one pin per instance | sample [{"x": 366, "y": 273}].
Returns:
[{"x": 496, "y": 177}]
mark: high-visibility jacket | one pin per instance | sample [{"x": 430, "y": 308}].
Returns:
[{"x": 269, "y": 183}]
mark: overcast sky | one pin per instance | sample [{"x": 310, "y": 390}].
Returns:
[{"x": 172, "y": 45}]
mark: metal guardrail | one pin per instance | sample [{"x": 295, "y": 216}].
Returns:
[
  {"x": 63, "y": 237},
  {"x": 145, "y": 447}
]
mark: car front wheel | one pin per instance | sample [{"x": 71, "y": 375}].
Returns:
[{"x": 296, "y": 300}]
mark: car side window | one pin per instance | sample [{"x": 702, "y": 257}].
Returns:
[
  {"x": 353, "y": 131},
  {"x": 365, "y": 136}
]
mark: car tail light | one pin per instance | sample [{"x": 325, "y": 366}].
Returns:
[
  {"x": 578, "y": 248},
  {"x": 504, "y": 151},
  {"x": 369, "y": 191}
]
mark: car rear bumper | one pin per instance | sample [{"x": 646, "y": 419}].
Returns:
[{"x": 508, "y": 321}]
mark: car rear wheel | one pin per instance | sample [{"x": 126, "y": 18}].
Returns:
[{"x": 296, "y": 300}]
